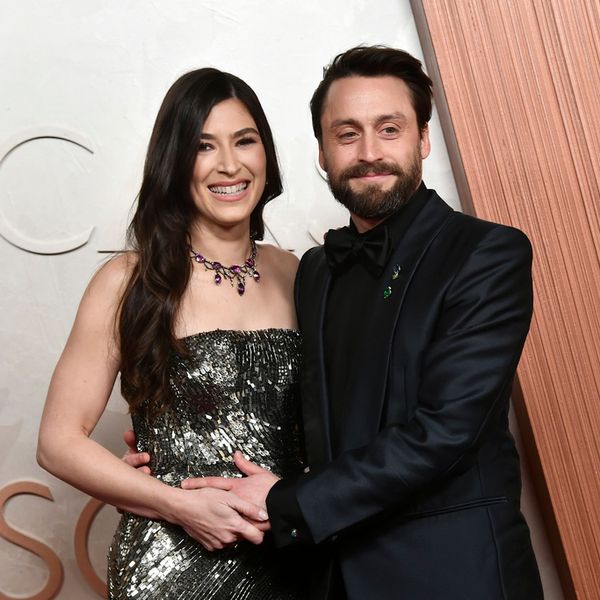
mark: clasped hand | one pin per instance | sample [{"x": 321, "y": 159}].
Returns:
[
  {"x": 252, "y": 488},
  {"x": 217, "y": 511}
]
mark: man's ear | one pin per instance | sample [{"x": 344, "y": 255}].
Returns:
[
  {"x": 322, "y": 162},
  {"x": 425, "y": 144}
]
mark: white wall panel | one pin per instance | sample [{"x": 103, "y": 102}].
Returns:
[{"x": 96, "y": 72}]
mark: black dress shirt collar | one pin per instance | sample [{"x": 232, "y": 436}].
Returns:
[{"x": 346, "y": 246}]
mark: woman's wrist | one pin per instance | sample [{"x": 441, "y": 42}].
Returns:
[{"x": 170, "y": 505}]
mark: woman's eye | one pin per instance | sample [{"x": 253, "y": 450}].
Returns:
[
  {"x": 204, "y": 147},
  {"x": 247, "y": 141}
]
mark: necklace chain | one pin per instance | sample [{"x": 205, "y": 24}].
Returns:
[{"x": 235, "y": 274}]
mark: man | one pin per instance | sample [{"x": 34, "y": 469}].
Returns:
[{"x": 413, "y": 318}]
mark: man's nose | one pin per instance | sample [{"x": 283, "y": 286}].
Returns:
[{"x": 369, "y": 148}]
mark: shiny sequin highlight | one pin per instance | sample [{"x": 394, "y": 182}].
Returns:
[{"x": 237, "y": 391}]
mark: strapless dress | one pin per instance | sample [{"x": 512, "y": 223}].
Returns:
[{"x": 237, "y": 390}]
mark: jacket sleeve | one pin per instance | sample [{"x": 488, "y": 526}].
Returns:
[{"x": 467, "y": 371}]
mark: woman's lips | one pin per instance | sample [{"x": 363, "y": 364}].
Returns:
[{"x": 229, "y": 191}]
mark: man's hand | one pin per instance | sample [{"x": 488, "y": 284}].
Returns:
[
  {"x": 213, "y": 517},
  {"x": 252, "y": 488},
  {"x": 132, "y": 457}
]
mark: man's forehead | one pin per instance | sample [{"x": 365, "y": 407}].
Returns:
[{"x": 350, "y": 96}]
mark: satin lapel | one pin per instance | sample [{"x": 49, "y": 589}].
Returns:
[
  {"x": 314, "y": 290},
  {"x": 368, "y": 378}
]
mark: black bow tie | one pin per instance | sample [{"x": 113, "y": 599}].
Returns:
[{"x": 345, "y": 245}]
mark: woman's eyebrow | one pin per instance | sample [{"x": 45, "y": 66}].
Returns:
[{"x": 236, "y": 134}]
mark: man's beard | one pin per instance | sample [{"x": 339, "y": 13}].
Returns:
[{"x": 372, "y": 202}]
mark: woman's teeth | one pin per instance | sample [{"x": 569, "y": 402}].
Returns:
[{"x": 228, "y": 189}]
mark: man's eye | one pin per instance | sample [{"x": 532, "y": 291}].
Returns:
[
  {"x": 347, "y": 135},
  {"x": 390, "y": 130}
]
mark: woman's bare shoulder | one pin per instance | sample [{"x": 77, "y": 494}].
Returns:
[
  {"x": 288, "y": 260},
  {"x": 281, "y": 263},
  {"x": 110, "y": 280},
  {"x": 95, "y": 319}
]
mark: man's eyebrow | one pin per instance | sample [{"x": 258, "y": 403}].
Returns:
[
  {"x": 237, "y": 134},
  {"x": 395, "y": 116},
  {"x": 342, "y": 122}
]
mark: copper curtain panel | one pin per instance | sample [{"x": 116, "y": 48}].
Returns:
[{"x": 519, "y": 98}]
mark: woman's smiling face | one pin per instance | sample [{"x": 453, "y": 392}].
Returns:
[{"x": 229, "y": 174}]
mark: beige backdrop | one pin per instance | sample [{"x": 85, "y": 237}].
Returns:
[{"x": 81, "y": 83}]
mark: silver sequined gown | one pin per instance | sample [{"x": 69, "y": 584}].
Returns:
[{"x": 238, "y": 390}]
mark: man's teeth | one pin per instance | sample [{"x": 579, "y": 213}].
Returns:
[{"x": 228, "y": 189}]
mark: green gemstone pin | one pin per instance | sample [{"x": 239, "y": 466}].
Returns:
[{"x": 395, "y": 274}]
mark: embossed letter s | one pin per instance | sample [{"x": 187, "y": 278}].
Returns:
[{"x": 55, "y": 578}]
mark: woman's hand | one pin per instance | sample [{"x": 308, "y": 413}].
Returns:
[
  {"x": 216, "y": 518},
  {"x": 219, "y": 524}
]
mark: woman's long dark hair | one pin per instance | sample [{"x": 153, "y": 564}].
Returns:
[{"x": 159, "y": 230}]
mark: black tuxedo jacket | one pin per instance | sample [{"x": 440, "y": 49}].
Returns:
[{"x": 422, "y": 500}]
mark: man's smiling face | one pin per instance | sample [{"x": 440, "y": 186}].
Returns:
[{"x": 372, "y": 147}]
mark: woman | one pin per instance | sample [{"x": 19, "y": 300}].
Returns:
[{"x": 208, "y": 356}]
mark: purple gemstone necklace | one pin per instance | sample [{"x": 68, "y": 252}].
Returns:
[{"x": 235, "y": 274}]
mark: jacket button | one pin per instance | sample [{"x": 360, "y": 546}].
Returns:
[{"x": 294, "y": 533}]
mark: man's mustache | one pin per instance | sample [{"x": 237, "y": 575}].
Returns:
[{"x": 377, "y": 168}]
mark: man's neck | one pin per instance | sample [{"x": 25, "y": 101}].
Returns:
[{"x": 364, "y": 225}]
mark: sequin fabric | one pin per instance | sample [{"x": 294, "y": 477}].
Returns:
[{"x": 237, "y": 390}]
